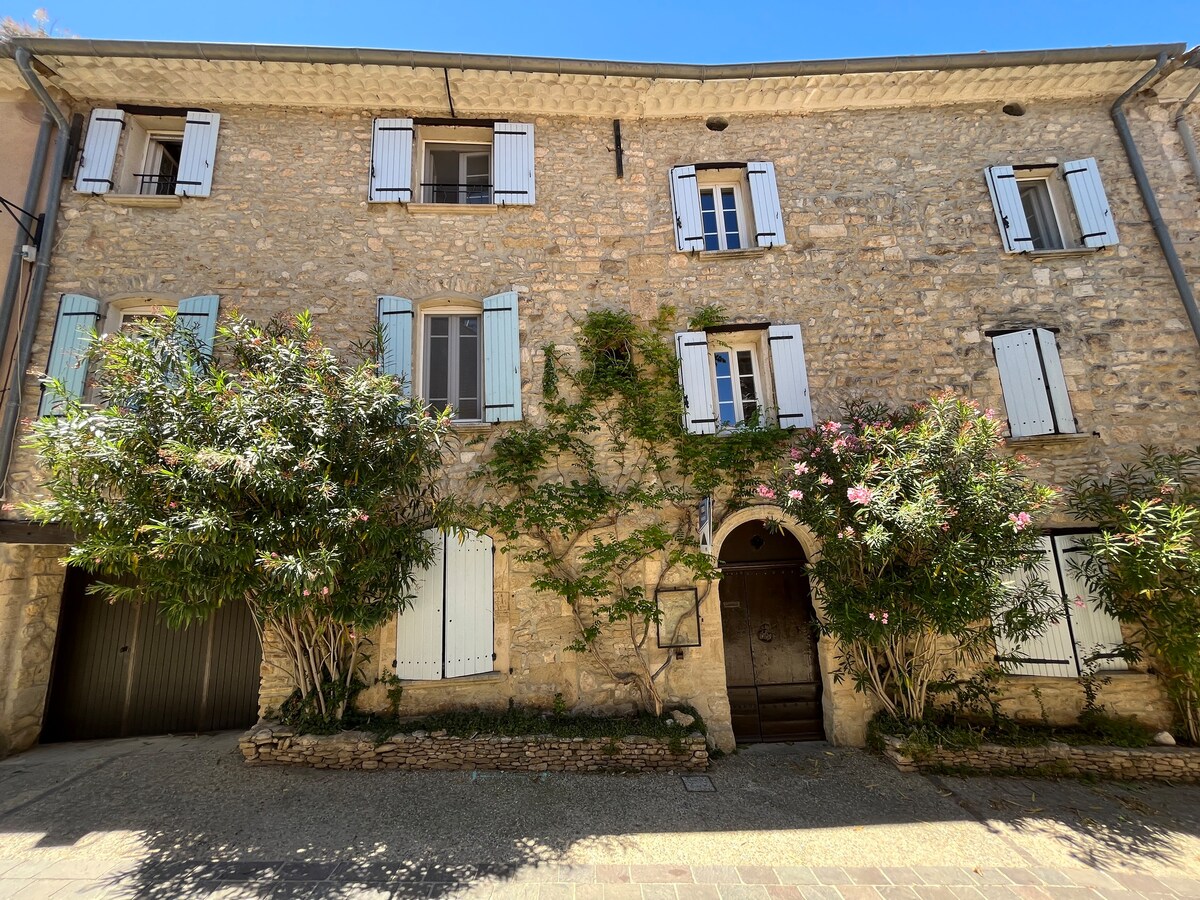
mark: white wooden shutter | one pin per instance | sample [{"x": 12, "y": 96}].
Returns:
[
  {"x": 199, "y": 315},
  {"x": 1094, "y": 630},
  {"x": 198, "y": 155},
  {"x": 396, "y": 319},
  {"x": 501, "y": 358},
  {"x": 1025, "y": 395},
  {"x": 77, "y": 318},
  {"x": 512, "y": 164},
  {"x": 1091, "y": 203},
  {"x": 764, "y": 197},
  {"x": 420, "y": 627},
  {"x": 1010, "y": 212},
  {"x": 685, "y": 201},
  {"x": 1051, "y": 652},
  {"x": 791, "y": 376},
  {"x": 100, "y": 151},
  {"x": 469, "y": 605},
  {"x": 695, "y": 377},
  {"x": 1056, "y": 382},
  {"x": 391, "y": 161}
]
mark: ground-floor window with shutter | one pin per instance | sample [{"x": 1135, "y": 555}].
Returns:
[
  {"x": 733, "y": 377},
  {"x": 1032, "y": 379},
  {"x": 1033, "y": 204},
  {"x": 1083, "y": 637},
  {"x": 726, "y": 206},
  {"x": 448, "y": 630}
]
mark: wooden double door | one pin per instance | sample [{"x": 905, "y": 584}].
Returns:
[{"x": 120, "y": 671}]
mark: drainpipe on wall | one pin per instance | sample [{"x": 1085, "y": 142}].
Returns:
[
  {"x": 41, "y": 269},
  {"x": 1185, "y": 133},
  {"x": 1162, "y": 68}
]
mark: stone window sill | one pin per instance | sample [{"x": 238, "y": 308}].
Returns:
[
  {"x": 482, "y": 678},
  {"x": 452, "y": 209},
  {"x": 748, "y": 253},
  {"x": 1068, "y": 253},
  {"x": 145, "y": 201},
  {"x": 1051, "y": 440},
  {"x": 471, "y": 427}
]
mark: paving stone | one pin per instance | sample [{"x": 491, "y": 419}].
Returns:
[
  {"x": 796, "y": 875},
  {"x": 717, "y": 875},
  {"x": 858, "y": 892},
  {"x": 902, "y": 875},
  {"x": 820, "y": 892},
  {"x": 896, "y": 892},
  {"x": 743, "y": 892},
  {"x": 757, "y": 875},
  {"x": 559, "y": 892},
  {"x": 642, "y": 874},
  {"x": 1022, "y": 876},
  {"x": 865, "y": 875},
  {"x": 831, "y": 875},
  {"x": 783, "y": 891},
  {"x": 700, "y": 892},
  {"x": 944, "y": 875},
  {"x": 606, "y": 873}
]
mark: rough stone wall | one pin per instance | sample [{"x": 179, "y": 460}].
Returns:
[
  {"x": 1133, "y": 694},
  {"x": 437, "y": 751},
  {"x": 893, "y": 266},
  {"x": 31, "y": 582},
  {"x": 1134, "y": 764}
]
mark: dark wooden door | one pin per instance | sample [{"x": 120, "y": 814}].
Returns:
[
  {"x": 771, "y": 667},
  {"x": 120, "y": 671}
]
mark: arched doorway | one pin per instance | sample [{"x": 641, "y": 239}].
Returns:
[{"x": 771, "y": 667}]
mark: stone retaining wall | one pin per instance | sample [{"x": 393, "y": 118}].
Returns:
[
  {"x": 267, "y": 744},
  {"x": 1160, "y": 763}
]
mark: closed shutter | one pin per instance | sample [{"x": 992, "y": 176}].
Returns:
[
  {"x": 1091, "y": 203},
  {"x": 501, "y": 359},
  {"x": 391, "y": 161},
  {"x": 685, "y": 202},
  {"x": 469, "y": 605},
  {"x": 198, "y": 155},
  {"x": 396, "y": 320},
  {"x": 1023, "y": 383},
  {"x": 1056, "y": 382},
  {"x": 512, "y": 164},
  {"x": 199, "y": 315},
  {"x": 1010, "y": 212},
  {"x": 100, "y": 151},
  {"x": 1051, "y": 652},
  {"x": 695, "y": 377},
  {"x": 791, "y": 376},
  {"x": 1094, "y": 630},
  {"x": 764, "y": 196},
  {"x": 420, "y": 627},
  {"x": 73, "y": 329}
]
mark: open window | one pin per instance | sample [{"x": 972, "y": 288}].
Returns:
[
  {"x": 1034, "y": 205},
  {"x": 721, "y": 207}
]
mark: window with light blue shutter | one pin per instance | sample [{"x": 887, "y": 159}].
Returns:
[
  {"x": 1034, "y": 386},
  {"x": 396, "y": 320},
  {"x": 73, "y": 331},
  {"x": 501, "y": 358},
  {"x": 199, "y": 316}
]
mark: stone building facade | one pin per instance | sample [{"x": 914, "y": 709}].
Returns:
[{"x": 891, "y": 262}]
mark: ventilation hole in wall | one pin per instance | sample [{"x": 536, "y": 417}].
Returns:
[
  {"x": 1013, "y": 109},
  {"x": 757, "y": 542},
  {"x": 716, "y": 123}
]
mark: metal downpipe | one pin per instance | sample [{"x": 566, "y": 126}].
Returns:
[
  {"x": 1161, "y": 67},
  {"x": 1185, "y": 133},
  {"x": 41, "y": 269}
]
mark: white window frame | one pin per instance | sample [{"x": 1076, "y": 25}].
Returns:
[
  {"x": 716, "y": 187},
  {"x": 427, "y": 311},
  {"x": 152, "y": 159},
  {"x": 1063, "y": 222},
  {"x": 467, "y": 135},
  {"x": 427, "y": 149},
  {"x": 732, "y": 342},
  {"x": 119, "y": 310}
]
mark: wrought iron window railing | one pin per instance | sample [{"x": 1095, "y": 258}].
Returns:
[
  {"x": 442, "y": 192},
  {"x": 156, "y": 184}
]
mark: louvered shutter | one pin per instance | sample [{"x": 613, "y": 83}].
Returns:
[
  {"x": 1056, "y": 382},
  {"x": 100, "y": 151},
  {"x": 469, "y": 605},
  {"x": 501, "y": 359},
  {"x": 396, "y": 319},
  {"x": 1025, "y": 393},
  {"x": 764, "y": 197},
  {"x": 1051, "y": 652},
  {"x": 512, "y": 164},
  {"x": 199, "y": 315},
  {"x": 791, "y": 376},
  {"x": 1010, "y": 212},
  {"x": 1091, "y": 203},
  {"x": 73, "y": 329},
  {"x": 1094, "y": 630},
  {"x": 199, "y": 154},
  {"x": 685, "y": 202},
  {"x": 695, "y": 377},
  {"x": 420, "y": 627},
  {"x": 391, "y": 161}
]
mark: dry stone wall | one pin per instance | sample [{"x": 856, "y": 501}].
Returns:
[{"x": 267, "y": 744}]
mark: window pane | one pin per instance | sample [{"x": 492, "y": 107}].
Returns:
[
  {"x": 437, "y": 379},
  {"x": 1039, "y": 212},
  {"x": 733, "y": 240},
  {"x": 725, "y": 404},
  {"x": 747, "y": 390},
  {"x": 708, "y": 215},
  {"x": 468, "y": 404}
]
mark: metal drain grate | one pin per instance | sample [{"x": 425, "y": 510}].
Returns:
[{"x": 698, "y": 784}]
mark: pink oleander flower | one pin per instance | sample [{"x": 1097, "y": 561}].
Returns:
[
  {"x": 859, "y": 495},
  {"x": 989, "y": 413},
  {"x": 764, "y": 491},
  {"x": 305, "y": 592},
  {"x": 825, "y": 480},
  {"x": 945, "y": 526},
  {"x": 830, "y": 427},
  {"x": 801, "y": 468},
  {"x": 1020, "y": 521},
  {"x": 795, "y": 495},
  {"x": 794, "y": 453},
  {"x": 1080, "y": 603},
  {"x": 846, "y": 532},
  {"x": 364, "y": 517},
  {"x": 325, "y": 591},
  {"x": 838, "y": 445}
]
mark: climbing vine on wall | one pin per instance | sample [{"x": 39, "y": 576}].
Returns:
[{"x": 599, "y": 492}]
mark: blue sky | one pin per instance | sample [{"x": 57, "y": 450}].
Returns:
[{"x": 699, "y": 31}]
